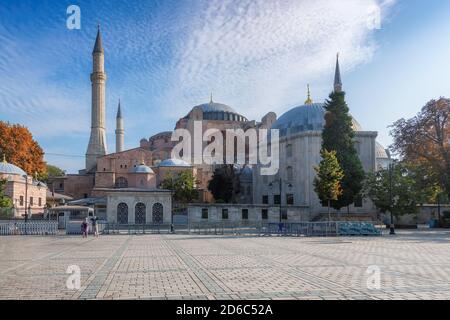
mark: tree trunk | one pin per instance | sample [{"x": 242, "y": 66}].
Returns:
[{"x": 329, "y": 211}]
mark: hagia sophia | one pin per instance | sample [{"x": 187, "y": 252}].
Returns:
[{"x": 121, "y": 183}]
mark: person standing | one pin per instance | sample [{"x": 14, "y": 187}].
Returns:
[
  {"x": 84, "y": 228},
  {"x": 95, "y": 226}
]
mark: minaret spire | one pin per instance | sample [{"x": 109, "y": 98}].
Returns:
[
  {"x": 211, "y": 99},
  {"x": 97, "y": 140},
  {"x": 98, "y": 47},
  {"x": 337, "y": 76},
  {"x": 309, "y": 100},
  {"x": 120, "y": 132}
]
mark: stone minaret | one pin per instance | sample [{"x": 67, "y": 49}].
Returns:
[
  {"x": 337, "y": 76},
  {"x": 119, "y": 130},
  {"x": 97, "y": 141}
]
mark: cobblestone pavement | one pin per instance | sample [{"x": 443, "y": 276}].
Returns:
[{"x": 413, "y": 265}]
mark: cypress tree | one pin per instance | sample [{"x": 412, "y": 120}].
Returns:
[{"x": 338, "y": 135}]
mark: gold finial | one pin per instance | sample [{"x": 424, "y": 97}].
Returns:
[
  {"x": 309, "y": 100},
  {"x": 4, "y": 158},
  {"x": 211, "y": 100},
  {"x": 142, "y": 160}
]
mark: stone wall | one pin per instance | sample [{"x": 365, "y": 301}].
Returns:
[
  {"x": 236, "y": 213},
  {"x": 131, "y": 198},
  {"x": 16, "y": 188}
]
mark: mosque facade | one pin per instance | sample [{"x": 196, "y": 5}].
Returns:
[{"x": 141, "y": 170}]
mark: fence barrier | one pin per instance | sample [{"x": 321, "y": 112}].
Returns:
[
  {"x": 309, "y": 229},
  {"x": 34, "y": 228},
  {"x": 116, "y": 228}
]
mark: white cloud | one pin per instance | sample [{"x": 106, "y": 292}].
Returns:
[
  {"x": 259, "y": 55},
  {"x": 256, "y": 56}
]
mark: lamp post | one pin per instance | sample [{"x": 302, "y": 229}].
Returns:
[
  {"x": 26, "y": 202},
  {"x": 391, "y": 227},
  {"x": 280, "y": 183}
]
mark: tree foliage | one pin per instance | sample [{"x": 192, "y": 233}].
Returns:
[
  {"x": 338, "y": 135},
  {"x": 407, "y": 191},
  {"x": 327, "y": 183},
  {"x": 5, "y": 202},
  {"x": 20, "y": 149},
  {"x": 51, "y": 172},
  {"x": 224, "y": 184},
  {"x": 183, "y": 186},
  {"x": 423, "y": 141}
]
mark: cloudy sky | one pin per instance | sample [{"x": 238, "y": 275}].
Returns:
[{"x": 164, "y": 57}]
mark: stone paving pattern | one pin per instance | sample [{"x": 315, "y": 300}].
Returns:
[{"x": 413, "y": 264}]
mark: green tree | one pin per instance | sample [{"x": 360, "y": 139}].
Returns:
[
  {"x": 327, "y": 183},
  {"x": 339, "y": 135},
  {"x": 183, "y": 186},
  {"x": 424, "y": 141},
  {"x": 395, "y": 190},
  {"x": 224, "y": 184},
  {"x": 5, "y": 202},
  {"x": 51, "y": 172}
]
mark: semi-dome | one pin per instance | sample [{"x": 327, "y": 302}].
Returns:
[
  {"x": 220, "y": 112},
  {"x": 173, "y": 163},
  {"x": 9, "y": 168},
  {"x": 308, "y": 117},
  {"x": 142, "y": 168},
  {"x": 380, "y": 151}
]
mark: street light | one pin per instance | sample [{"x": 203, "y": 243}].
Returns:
[
  {"x": 280, "y": 183},
  {"x": 391, "y": 227}
]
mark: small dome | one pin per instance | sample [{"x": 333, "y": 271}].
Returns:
[
  {"x": 8, "y": 168},
  {"x": 380, "y": 151},
  {"x": 309, "y": 117},
  {"x": 142, "y": 168},
  {"x": 173, "y": 163}
]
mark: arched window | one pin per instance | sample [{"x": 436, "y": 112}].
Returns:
[
  {"x": 290, "y": 174},
  {"x": 289, "y": 150},
  {"x": 121, "y": 182},
  {"x": 157, "y": 213},
  {"x": 122, "y": 213},
  {"x": 139, "y": 213}
]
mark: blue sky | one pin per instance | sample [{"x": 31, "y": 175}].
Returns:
[{"x": 164, "y": 57}]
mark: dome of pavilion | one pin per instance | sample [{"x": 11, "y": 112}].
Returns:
[
  {"x": 173, "y": 163},
  {"x": 142, "y": 168},
  {"x": 9, "y": 168}
]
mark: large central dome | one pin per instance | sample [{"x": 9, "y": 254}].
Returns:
[
  {"x": 219, "y": 112},
  {"x": 308, "y": 117}
]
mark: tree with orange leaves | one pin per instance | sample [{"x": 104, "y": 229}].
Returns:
[
  {"x": 19, "y": 148},
  {"x": 424, "y": 141}
]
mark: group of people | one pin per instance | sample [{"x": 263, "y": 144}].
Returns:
[{"x": 85, "y": 226}]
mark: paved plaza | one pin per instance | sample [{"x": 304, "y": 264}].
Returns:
[{"x": 413, "y": 265}]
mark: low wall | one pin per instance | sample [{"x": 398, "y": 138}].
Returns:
[{"x": 255, "y": 213}]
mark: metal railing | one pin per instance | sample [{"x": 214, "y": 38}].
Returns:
[
  {"x": 308, "y": 229},
  {"x": 117, "y": 228},
  {"x": 35, "y": 228}
]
